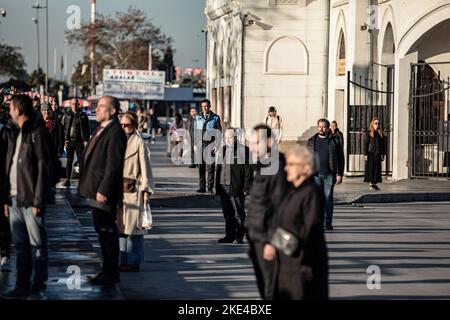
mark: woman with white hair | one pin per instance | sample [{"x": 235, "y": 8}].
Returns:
[{"x": 298, "y": 243}]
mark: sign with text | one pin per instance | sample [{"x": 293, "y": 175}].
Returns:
[{"x": 134, "y": 84}]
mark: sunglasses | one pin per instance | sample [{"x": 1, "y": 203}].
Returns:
[{"x": 126, "y": 125}]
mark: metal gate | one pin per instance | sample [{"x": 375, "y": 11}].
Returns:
[
  {"x": 366, "y": 99},
  {"x": 429, "y": 120}
]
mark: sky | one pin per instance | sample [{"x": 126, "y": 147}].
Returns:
[{"x": 182, "y": 20}]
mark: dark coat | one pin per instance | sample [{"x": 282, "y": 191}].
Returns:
[
  {"x": 33, "y": 168},
  {"x": 57, "y": 136},
  {"x": 375, "y": 150},
  {"x": 339, "y": 136},
  {"x": 101, "y": 167},
  {"x": 84, "y": 125},
  {"x": 336, "y": 154},
  {"x": 191, "y": 127},
  {"x": 301, "y": 213},
  {"x": 241, "y": 173},
  {"x": 267, "y": 192}
]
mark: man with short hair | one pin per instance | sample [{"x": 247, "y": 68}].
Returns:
[
  {"x": 330, "y": 168},
  {"x": 269, "y": 188},
  {"x": 76, "y": 135},
  {"x": 206, "y": 122},
  {"x": 233, "y": 181},
  {"x": 26, "y": 188},
  {"x": 101, "y": 182}
]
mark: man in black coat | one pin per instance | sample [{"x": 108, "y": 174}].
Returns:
[
  {"x": 233, "y": 181},
  {"x": 330, "y": 169},
  {"x": 76, "y": 135},
  {"x": 101, "y": 181},
  {"x": 268, "y": 190},
  {"x": 26, "y": 189}
]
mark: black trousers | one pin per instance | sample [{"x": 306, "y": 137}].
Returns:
[
  {"x": 265, "y": 271},
  {"x": 73, "y": 147},
  {"x": 202, "y": 175},
  {"x": 5, "y": 236},
  {"x": 108, "y": 235},
  {"x": 233, "y": 213}
]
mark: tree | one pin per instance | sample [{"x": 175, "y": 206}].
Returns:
[
  {"x": 121, "y": 41},
  {"x": 12, "y": 62},
  {"x": 81, "y": 76}
]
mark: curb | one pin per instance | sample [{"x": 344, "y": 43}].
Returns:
[{"x": 393, "y": 197}]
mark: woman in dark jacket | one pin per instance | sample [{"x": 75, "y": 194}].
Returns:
[
  {"x": 374, "y": 152},
  {"x": 304, "y": 274}
]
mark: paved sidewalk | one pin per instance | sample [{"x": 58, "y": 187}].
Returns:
[{"x": 68, "y": 246}]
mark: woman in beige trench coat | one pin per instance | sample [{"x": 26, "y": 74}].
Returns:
[{"x": 138, "y": 186}]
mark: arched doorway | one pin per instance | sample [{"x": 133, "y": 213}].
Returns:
[{"x": 430, "y": 104}]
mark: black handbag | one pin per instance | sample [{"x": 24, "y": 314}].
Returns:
[
  {"x": 129, "y": 185},
  {"x": 286, "y": 242}
]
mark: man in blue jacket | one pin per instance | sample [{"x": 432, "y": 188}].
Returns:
[{"x": 208, "y": 127}]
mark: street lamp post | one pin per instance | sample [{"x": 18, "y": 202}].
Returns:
[
  {"x": 93, "y": 70},
  {"x": 38, "y": 58},
  {"x": 37, "y": 6}
]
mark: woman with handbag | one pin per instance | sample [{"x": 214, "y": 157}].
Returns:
[
  {"x": 298, "y": 243},
  {"x": 138, "y": 186},
  {"x": 374, "y": 152}
]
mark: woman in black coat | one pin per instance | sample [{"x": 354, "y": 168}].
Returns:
[
  {"x": 374, "y": 152},
  {"x": 304, "y": 274}
]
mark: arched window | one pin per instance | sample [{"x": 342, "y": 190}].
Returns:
[
  {"x": 286, "y": 55},
  {"x": 341, "y": 55}
]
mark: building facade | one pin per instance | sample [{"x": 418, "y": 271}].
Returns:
[
  {"x": 264, "y": 53},
  {"x": 347, "y": 60}
]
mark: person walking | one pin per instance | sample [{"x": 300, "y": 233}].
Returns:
[
  {"x": 336, "y": 133},
  {"x": 54, "y": 128},
  {"x": 208, "y": 127},
  {"x": 142, "y": 118},
  {"x": 177, "y": 131},
  {"x": 233, "y": 182},
  {"x": 138, "y": 187},
  {"x": 374, "y": 153},
  {"x": 330, "y": 169},
  {"x": 101, "y": 182},
  {"x": 76, "y": 135},
  {"x": 268, "y": 189},
  {"x": 57, "y": 112},
  {"x": 26, "y": 189},
  {"x": 153, "y": 125},
  {"x": 303, "y": 272},
  {"x": 274, "y": 122},
  {"x": 191, "y": 128}
]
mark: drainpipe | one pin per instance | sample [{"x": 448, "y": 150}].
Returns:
[
  {"x": 326, "y": 57},
  {"x": 242, "y": 69},
  {"x": 369, "y": 43}
]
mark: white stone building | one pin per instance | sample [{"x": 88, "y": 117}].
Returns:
[
  {"x": 267, "y": 52},
  {"x": 296, "y": 55}
]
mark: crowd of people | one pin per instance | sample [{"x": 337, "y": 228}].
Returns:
[
  {"x": 289, "y": 209},
  {"x": 115, "y": 176}
]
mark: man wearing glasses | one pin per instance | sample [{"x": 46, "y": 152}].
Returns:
[{"x": 330, "y": 165}]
